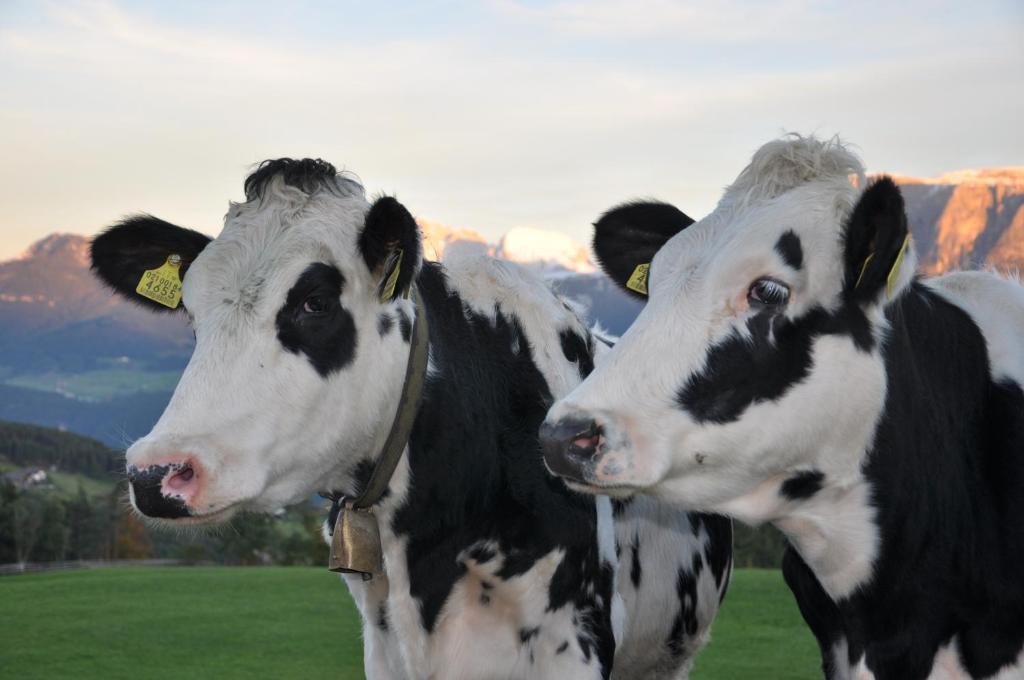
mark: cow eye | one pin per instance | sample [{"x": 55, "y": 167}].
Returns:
[
  {"x": 315, "y": 304},
  {"x": 768, "y": 293}
]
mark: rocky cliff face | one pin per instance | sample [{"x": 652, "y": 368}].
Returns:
[{"x": 967, "y": 219}]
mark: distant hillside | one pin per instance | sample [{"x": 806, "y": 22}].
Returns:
[
  {"x": 115, "y": 422},
  {"x": 74, "y": 356},
  {"x": 56, "y": 316},
  {"x": 967, "y": 219},
  {"x": 25, "y": 445}
]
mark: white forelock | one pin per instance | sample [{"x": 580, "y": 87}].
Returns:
[{"x": 789, "y": 162}]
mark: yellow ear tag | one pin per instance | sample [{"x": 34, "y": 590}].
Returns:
[
  {"x": 393, "y": 266},
  {"x": 890, "y": 282},
  {"x": 162, "y": 285},
  {"x": 638, "y": 279}
]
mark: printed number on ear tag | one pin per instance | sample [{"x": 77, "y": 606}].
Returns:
[
  {"x": 393, "y": 267},
  {"x": 638, "y": 279},
  {"x": 163, "y": 284}
]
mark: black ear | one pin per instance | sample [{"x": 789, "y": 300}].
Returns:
[
  {"x": 628, "y": 236},
  {"x": 122, "y": 253},
  {"x": 875, "y": 242},
  {"x": 389, "y": 229}
]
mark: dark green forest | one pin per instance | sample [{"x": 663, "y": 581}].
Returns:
[{"x": 87, "y": 516}]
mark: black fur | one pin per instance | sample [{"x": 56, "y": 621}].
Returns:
[
  {"x": 577, "y": 350},
  {"x": 635, "y": 568},
  {"x": 790, "y": 250},
  {"x": 477, "y": 475},
  {"x": 306, "y": 174},
  {"x": 404, "y": 324},
  {"x": 123, "y": 252},
  {"x": 630, "y": 234},
  {"x": 685, "y": 622},
  {"x": 740, "y": 371},
  {"x": 327, "y": 339},
  {"x": 384, "y": 324},
  {"x": 947, "y": 472},
  {"x": 877, "y": 227},
  {"x": 803, "y": 485},
  {"x": 719, "y": 530},
  {"x": 390, "y": 226}
]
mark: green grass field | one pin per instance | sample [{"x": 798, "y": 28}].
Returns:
[{"x": 292, "y": 622}]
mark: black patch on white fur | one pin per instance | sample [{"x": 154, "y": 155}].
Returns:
[
  {"x": 477, "y": 478},
  {"x": 327, "y": 339},
  {"x": 685, "y": 622},
  {"x": 384, "y": 324},
  {"x": 635, "y": 568},
  {"x": 121, "y": 254},
  {"x": 577, "y": 350},
  {"x": 742, "y": 371},
  {"x": 404, "y": 324},
  {"x": 803, "y": 485},
  {"x": 947, "y": 475},
  {"x": 789, "y": 249}
]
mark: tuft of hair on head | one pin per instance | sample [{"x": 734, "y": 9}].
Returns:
[
  {"x": 306, "y": 174},
  {"x": 793, "y": 160}
]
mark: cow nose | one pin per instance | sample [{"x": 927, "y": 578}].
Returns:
[
  {"x": 163, "y": 490},
  {"x": 570, "y": 445}
]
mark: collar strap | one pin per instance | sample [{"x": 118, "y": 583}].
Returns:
[{"x": 408, "y": 408}]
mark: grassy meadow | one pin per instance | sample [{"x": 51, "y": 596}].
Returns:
[{"x": 294, "y": 622}]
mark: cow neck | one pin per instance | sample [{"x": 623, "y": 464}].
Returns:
[{"x": 405, "y": 416}]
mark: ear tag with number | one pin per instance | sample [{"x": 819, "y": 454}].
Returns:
[
  {"x": 393, "y": 267},
  {"x": 163, "y": 284},
  {"x": 638, "y": 279}
]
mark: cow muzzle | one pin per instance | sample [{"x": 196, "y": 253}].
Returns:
[
  {"x": 586, "y": 453},
  {"x": 167, "y": 490}
]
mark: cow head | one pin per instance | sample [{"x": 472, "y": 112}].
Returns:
[
  {"x": 300, "y": 352},
  {"x": 754, "y": 364}
]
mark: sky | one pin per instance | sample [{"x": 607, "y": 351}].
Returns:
[{"x": 485, "y": 115}]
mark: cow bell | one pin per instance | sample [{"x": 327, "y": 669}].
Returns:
[{"x": 355, "y": 545}]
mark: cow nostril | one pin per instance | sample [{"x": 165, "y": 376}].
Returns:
[
  {"x": 586, "y": 444},
  {"x": 576, "y": 437},
  {"x": 181, "y": 478}
]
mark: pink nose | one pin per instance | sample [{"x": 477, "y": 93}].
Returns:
[{"x": 166, "y": 490}]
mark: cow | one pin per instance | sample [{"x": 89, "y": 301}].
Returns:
[
  {"x": 309, "y": 310},
  {"x": 791, "y": 367}
]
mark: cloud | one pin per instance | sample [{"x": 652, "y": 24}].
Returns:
[{"x": 490, "y": 124}]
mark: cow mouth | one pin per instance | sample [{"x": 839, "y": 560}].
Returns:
[{"x": 210, "y": 518}]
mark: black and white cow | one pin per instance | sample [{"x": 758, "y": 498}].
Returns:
[
  {"x": 492, "y": 567},
  {"x": 790, "y": 367}
]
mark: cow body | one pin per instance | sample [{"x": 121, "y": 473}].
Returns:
[
  {"x": 492, "y": 567},
  {"x": 807, "y": 377},
  {"x": 945, "y": 597}
]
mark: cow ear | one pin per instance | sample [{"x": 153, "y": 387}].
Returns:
[
  {"x": 390, "y": 245},
  {"x": 876, "y": 245},
  {"x": 627, "y": 237},
  {"x": 123, "y": 254}
]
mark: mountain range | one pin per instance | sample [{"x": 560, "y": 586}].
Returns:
[{"x": 74, "y": 356}]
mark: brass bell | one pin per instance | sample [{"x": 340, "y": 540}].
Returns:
[{"x": 355, "y": 545}]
